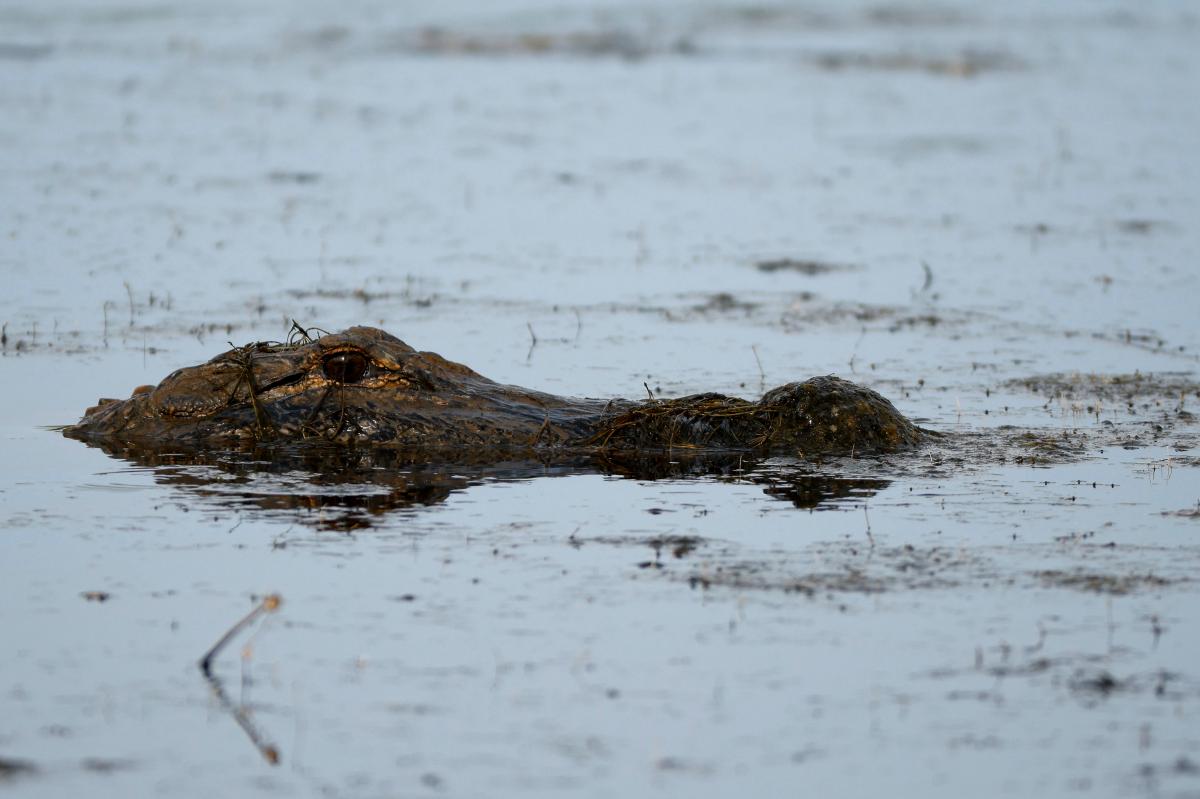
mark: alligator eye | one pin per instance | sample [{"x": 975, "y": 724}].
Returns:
[{"x": 346, "y": 367}]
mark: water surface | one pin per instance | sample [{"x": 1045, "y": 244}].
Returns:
[{"x": 986, "y": 214}]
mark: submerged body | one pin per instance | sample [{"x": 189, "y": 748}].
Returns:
[{"x": 364, "y": 387}]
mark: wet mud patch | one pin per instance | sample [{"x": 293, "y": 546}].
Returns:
[
  {"x": 101, "y": 765},
  {"x": 695, "y": 33},
  {"x": 803, "y": 314},
  {"x": 1140, "y": 227},
  {"x": 1190, "y": 461},
  {"x": 1093, "y": 684},
  {"x": 1041, "y": 447},
  {"x": 865, "y": 565},
  {"x": 950, "y": 452},
  {"x": 808, "y": 268},
  {"x": 1090, "y": 678},
  {"x": 1170, "y": 391},
  {"x": 1128, "y": 411},
  {"x": 29, "y": 340},
  {"x": 1105, "y": 583},
  {"x": 754, "y": 308},
  {"x": 12, "y": 769},
  {"x": 725, "y": 303},
  {"x": 963, "y": 64},
  {"x": 745, "y": 34},
  {"x": 774, "y": 16},
  {"x": 842, "y": 568},
  {"x": 1183, "y": 770},
  {"x": 1128, "y": 227},
  {"x": 25, "y": 51},
  {"x": 665, "y": 548},
  {"x": 914, "y": 147},
  {"x": 621, "y": 43},
  {"x": 149, "y": 337},
  {"x": 416, "y": 294},
  {"x": 945, "y": 455}
]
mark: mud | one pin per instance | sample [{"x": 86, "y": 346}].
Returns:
[{"x": 1103, "y": 583}]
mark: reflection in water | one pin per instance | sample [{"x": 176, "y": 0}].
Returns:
[
  {"x": 813, "y": 490},
  {"x": 343, "y": 489},
  {"x": 241, "y": 714}
]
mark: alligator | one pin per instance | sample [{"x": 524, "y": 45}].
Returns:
[{"x": 363, "y": 387}]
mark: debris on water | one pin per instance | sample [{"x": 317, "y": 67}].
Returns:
[
  {"x": 724, "y": 302},
  {"x": 11, "y": 769},
  {"x": 1147, "y": 388},
  {"x": 1185, "y": 765},
  {"x": 844, "y": 569},
  {"x": 965, "y": 64},
  {"x": 96, "y": 596},
  {"x": 1099, "y": 684},
  {"x": 22, "y": 51},
  {"x": 1138, "y": 226},
  {"x": 671, "y": 763},
  {"x": 294, "y": 176},
  {"x": 615, "y": 42},
  {"x": 678, "y": 546},
  {"x": 802, "y": 315},
  {"x": 1100, "y": 583},
  {"x": 101, "y": 765},
  {"x": 801, "y": 266},
  {"x": 269, "y": 604},
  {"x": 1064, "y": 445},
  {"x": 239, "y": 712}
]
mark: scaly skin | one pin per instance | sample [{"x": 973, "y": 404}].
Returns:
[{"x": 364, "y": 387}]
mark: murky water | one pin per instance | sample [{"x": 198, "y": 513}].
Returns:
[{"x": 986, "y": 214}]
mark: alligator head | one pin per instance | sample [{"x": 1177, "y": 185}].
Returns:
[
  {"x": 358, "y": 386},
  {"x": 365, "y": 387}
]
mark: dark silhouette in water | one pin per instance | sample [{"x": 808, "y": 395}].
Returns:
[{"x": 365, "y": 388}]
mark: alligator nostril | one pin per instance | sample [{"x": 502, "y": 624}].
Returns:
[
  {"x": 100, "y": 403},
  {"x": 346, "y": 367}
]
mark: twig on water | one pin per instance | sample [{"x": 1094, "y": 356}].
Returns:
[
  {"x": 269, "y": 604},
  {"x": 854, "y": 353},
  {"x": 104, "y": 308},
  {"x": 129, "y": 293},
  {"x": 269, "y": 751},
  {"x": 532, "y": 342}
]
